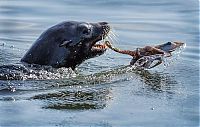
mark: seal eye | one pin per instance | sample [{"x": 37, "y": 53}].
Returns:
[{"x": 86, "y": 31}]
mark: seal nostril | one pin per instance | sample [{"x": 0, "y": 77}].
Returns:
[{"x": 103, "y": 23}]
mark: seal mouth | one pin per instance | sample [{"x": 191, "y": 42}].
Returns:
[{"x": 98, "y": 45}]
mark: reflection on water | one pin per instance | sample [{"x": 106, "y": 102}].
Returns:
[
  {"x": 157, "y": 82},
  {"x": 76, "y": 100}
]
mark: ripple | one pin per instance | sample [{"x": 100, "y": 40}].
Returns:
[{"x": 81, "y": 99}]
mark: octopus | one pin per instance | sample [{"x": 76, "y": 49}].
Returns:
[{"x": 148, "y": 56}]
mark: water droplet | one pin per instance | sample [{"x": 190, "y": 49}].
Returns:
[
  {"x": 3, "y": 44},
  {"x": 12, "y": 89},
  {"x": 152, "y": 108}
]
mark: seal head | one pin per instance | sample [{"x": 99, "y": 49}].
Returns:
[{"x": 68, "y": 44}]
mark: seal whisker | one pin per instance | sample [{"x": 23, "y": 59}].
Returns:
[
  {"x": 103, "y": 38},
  {"x": 113, "y": 32},
  {"x": 110, "y": 39},
  {"x": 115, "y": 36},
  {"x": 103, "y": 33}
]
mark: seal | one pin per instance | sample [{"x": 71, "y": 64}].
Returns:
[
  {"x": 144, "y": 57},
  {"x": 68, "y": 44}
]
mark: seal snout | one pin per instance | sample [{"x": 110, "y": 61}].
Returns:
[
  {"x": 105, "y": 28},
  {"x": 102, "y": 30}
]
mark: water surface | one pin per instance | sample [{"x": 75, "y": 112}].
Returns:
[{"x": 102, "y": 93}]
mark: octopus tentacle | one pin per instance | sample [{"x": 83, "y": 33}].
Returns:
[{"x": 128, "y": 52}]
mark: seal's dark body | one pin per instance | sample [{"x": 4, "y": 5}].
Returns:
[{"x": 47, "y": 49}]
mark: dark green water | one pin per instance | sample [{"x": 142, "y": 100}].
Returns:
[{"x": 102, "y": 93}]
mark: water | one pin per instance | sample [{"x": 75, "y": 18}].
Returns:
[{"x": 103, "y": 92}]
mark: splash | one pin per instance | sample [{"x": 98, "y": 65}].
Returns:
[
  {"x": 167, "y": 61},
  {"x": 36, "y": 72},
  {"x": 148, "y": 62}
]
